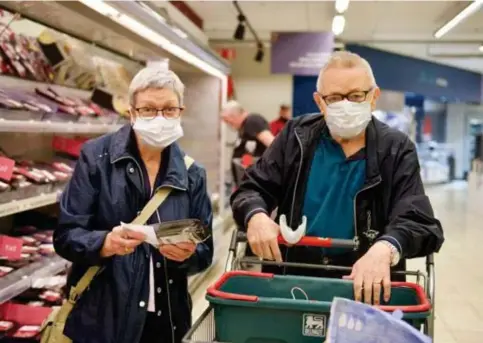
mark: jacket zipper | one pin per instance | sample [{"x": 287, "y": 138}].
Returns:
[
  {"x": 295, "y": 192},
  {"x": 356, "y": 231}
]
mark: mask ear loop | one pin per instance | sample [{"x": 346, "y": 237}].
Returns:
[{"x": 292, "y": 291}]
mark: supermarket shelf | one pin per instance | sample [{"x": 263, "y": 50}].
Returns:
[
  {"x": 56, "y": 127},
  {"x": 17, "y": 206},
  {"x": 22, "y": 279}
]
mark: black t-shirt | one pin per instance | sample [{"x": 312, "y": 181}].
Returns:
[{"x": 247, "y": 142}]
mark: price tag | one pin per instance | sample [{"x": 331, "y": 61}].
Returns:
[
  {"x": 10, "y": 247},
  {"x": 6, "y": 168}
]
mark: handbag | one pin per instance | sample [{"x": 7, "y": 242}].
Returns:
[{"x": 52, "y": 329}]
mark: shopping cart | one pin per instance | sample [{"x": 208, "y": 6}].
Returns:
[{"x": 253, "y": 307}]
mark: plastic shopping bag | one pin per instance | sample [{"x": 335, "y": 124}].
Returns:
[{"x": 355, "y": 322}]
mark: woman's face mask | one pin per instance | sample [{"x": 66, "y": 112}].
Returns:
[
  {"x": 347, "y": 119},
  {"x": 158, "y": 132}
]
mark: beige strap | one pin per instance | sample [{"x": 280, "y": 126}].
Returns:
[{"x": 159, "y": 197}]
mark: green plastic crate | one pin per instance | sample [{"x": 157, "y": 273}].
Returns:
[{"x": 259, "y": 308}]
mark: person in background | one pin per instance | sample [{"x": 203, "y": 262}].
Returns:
[
  {"x": 284, "y": 115},
  {"x": 141, "y": 294},
  {"x": 351, "y": 176},
  {"x": 254, "y": 134}
]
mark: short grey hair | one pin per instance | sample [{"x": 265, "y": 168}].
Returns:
[
  {"x": 155, "y": 77},
  {"x": 345, "y": 59},
  {"x": 233, "y": 105}
]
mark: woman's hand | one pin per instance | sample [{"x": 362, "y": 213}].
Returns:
[
  {"x": 178, "y": 252},
  {"x": 121, "y": 242}
]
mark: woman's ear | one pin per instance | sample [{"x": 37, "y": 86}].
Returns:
[{"x": 377, "y": 94}]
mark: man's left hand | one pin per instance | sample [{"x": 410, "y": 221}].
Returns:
[
  {"x": 372, "y": 273},
  {"x": 178, "y": 252}
]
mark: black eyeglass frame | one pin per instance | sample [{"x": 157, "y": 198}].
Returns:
[
  {"x": 345, "y": 96},
  {"x": 158, "y": 111}
]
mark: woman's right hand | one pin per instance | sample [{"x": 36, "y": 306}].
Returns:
[{"x": 121, "y": 242}]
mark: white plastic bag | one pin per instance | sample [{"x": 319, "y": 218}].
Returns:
[{"x": 355, "y": 322}]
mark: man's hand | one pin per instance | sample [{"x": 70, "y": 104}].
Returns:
[
  {"x": 178, "y": 252},
  {"x": 371, "y": 273},
  {"x": 262, "y": 233},
  {"x": 121, "y": 242}
]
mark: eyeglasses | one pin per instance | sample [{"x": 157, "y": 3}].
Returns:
[
  {"x": 149, "y": 113},
  {"x": 356, "y": 96}
]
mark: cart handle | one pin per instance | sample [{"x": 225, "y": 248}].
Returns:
[{"x": 308, "y": 241}]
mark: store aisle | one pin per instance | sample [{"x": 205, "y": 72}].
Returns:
[{"x": 459, "y": 304}]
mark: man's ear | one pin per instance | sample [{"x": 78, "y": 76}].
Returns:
[
  {"x": 132, "y": 115},
  {"x": 375, "y": 97}
]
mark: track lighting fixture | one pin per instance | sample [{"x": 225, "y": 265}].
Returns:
[
  {"x": 260, "y": 53},
  {"x": 240, "y": 29}
]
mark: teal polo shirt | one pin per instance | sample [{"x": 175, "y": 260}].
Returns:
[{"x": 333, "y": 183}]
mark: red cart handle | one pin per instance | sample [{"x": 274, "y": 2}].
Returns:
[{"x": 310, "y": 241}]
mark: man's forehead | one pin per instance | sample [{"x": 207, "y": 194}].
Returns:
[{"x": 343, "y": 80}]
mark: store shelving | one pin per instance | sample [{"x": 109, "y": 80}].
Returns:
[
  {"x": 56, "y": 127},
  {"x": 17, "y": 206},
  {"x": 22, "y": 279}
]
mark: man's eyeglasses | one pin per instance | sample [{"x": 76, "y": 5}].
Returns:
[
  {"x": 149, "y": 113},
  {"x": 356, "y": 96}
]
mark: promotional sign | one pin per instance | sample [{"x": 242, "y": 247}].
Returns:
[
  {"x": 300, "y": 53},
  {"x": 10, "y": 247},
  {"x": 6, "y": 168}
]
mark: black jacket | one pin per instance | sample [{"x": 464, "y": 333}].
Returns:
[
  {"x": 105, "y": 190},
  {"x": 391, "y": 203}
]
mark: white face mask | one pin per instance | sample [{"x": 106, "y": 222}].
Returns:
[
  {"x": 348, "y": 119},
  {"x": 158, "y": 132}
]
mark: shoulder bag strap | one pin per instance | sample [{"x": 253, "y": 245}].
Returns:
[{"x": 159, "y": 197}]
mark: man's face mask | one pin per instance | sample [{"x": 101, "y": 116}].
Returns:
[{"x": 348, "y": 119}]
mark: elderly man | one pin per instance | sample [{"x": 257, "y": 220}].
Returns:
[{"x": 351, "y": 176}]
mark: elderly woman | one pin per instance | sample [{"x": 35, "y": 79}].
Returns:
[{"x": 141, "y": 293}]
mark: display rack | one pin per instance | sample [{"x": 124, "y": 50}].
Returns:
[
  {"x": 46, "y": 126},
  {"x": 22, "y": 279},
  {"x": 41, "y": 200}
]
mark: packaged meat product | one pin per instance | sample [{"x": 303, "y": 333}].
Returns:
[
  {"x": 40, "y": 236},
  {"x": 29, "y": 240},
  {"x": 27, "y": 331},
  {"x": 63, "y": 167},
  {"x": 36, "y": 303},
  {"x": 29, "y": 249},
  {"x": 5, "y": 327},
  {"x": 51, "y": 296},
  {"x": 25, "y": 230},
  {"x": 4, "y": 270},
  {"x": 4, "y": 187},
  {"x": 47, "y": 249}
]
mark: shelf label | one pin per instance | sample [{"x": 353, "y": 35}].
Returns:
[
  {"x": 6, "y": 168},
  {"x": 10, "y": 247}
]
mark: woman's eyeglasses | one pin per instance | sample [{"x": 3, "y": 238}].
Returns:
[{"x": 149, "y": 113}]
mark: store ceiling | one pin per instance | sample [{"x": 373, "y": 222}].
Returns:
[{"x": 405, "y": 27}]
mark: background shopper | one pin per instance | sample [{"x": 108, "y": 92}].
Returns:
[
  {"x": 284, "y": 115},
  {"x": 141, "y": 294}
]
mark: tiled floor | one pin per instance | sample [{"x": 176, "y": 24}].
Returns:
[{"x": 459, "y": 276}]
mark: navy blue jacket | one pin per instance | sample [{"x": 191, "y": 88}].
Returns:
[{"x": 107, "y": 188}]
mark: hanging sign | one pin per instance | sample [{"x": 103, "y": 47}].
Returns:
[{"x": 300, "y": 53}]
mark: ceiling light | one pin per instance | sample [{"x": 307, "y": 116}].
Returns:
[
  {"x": 338, "y": 24},
  {"x": 481, "y": 48},
  {"x": 465, "y": 13},
  {"x": 148, "y": 34},
  {"x": 341, "y": 5},
  {"x": 240, "y": 29}
]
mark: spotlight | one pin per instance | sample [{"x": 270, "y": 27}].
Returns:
[
  {"x": 240, "y": 29},
  {"x": 260, "y": 53}
]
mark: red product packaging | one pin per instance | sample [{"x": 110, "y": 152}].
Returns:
[
  {"x": 27, "y": 331},
  {"x": 10, "y": 247},
  {"x": 7, "y": 166}
]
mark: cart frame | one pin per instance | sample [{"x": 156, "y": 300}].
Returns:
[{"x": 203, "y": 330}]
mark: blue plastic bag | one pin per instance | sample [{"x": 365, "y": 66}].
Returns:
[{"x": 355, "y": 322}]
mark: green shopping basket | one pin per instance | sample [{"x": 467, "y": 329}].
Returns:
[{"x": 252, "y": 307}]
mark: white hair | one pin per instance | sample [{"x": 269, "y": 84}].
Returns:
[
  {"x": 345, "y": 59},
  {"x": 233, "y": 105},
  {"x": 155, "y": 77}
]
